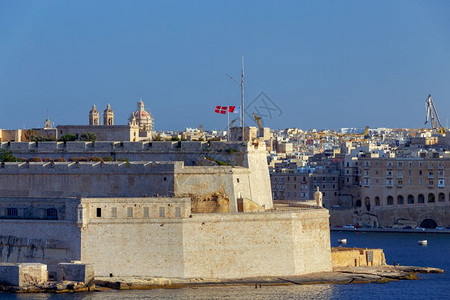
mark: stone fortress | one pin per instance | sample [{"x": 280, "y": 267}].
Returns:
[{"x": 160, "y": 209}]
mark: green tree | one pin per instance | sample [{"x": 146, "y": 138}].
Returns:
[
  {"x": 88, "y": 137},
  {"x": 7, "y": 156},
  {"x": 68, "y": 138}
]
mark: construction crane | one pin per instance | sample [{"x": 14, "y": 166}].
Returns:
[
  {"x": 366, "y": 135},
  {"x": 431, "y": 113},
  {"x": 258, "y": 120}
]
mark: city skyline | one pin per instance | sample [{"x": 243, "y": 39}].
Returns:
[{"x": 324, "y": 64}]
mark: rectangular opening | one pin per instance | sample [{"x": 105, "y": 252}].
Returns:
[
  {"x": 12, "y": 212},
  {"x": 129, "y": 212},
  {"x": 178, "y": 212},
  {"x": 114, "y": 212},
  {"x": 99, "y": 212},
  {"x": 146, "y": 212},
  {"x": 162, "y": 212}
]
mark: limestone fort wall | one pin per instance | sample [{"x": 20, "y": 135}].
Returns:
[
  {"x": 161, "y": 237},
  {"x": 220, "y": 245},
  {"x": 126, "y": 179}
]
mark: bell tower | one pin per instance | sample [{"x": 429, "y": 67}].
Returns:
[
  {"x": 108, "y": 116},
  {"x": 94, "y": 116}
]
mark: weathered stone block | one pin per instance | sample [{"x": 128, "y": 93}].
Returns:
[
  {"x": 23, "y": 274},
  {"x": 78, "y": 272}
]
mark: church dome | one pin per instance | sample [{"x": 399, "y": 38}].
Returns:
[{"x": 142, "y": 117}]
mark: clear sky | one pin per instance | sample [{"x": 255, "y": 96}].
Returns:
[{"x": 323, "y": 64}]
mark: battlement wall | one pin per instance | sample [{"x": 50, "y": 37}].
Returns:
[
  {"x": 127, "y": 146},
  {"x": 205, "y": 156},
  {"x": 215, "y": 184},
  {"x": 212, "y": 245}
]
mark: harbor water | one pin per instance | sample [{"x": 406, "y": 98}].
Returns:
[{"x": 401, "y": 248}]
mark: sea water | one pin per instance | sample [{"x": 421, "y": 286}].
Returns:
[{"x": 401, "y": 248}]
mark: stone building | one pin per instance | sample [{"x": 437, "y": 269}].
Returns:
[
  {"x": 180, "y": 212},
  {"x": 404, "y": 192},
  {"x": 106, "y": 132},
  {"x": 142, "y": 118}
]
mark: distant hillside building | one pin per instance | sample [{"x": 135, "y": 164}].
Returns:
[{"x": 138, "y": 129}]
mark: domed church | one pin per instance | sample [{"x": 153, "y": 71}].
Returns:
[{"x": 142, "y": 118}]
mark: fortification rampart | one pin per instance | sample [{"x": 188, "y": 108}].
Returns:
[
  {"x": 218, "y": 187},
  {"x": 156, "y": 177},
  {"x": 161, "y": 237}
]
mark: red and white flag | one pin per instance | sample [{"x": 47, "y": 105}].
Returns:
[
  {"x": 233, "y": 109},
  {"x": 221, "y": 109}
]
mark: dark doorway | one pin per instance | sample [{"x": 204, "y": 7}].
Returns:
[{"x": 428, "y": 223}]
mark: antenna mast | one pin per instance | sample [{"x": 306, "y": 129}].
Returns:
[{"x": 242, "y": 99}]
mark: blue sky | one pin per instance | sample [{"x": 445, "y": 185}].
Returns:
[{"x": 324, "y": 64}]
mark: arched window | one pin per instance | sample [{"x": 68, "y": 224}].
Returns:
[
  {"x": 358, "y": 203},
  {"x": 420, "y": 199},
  {"x": 430, "y": 198},
  {"x": 390, "y": 200},
  {"x": 441, "y": 197},
  {"x": 400, "y": 200},
  {"x": 377, "y": 201},
  {"x": 410, "y": 199}
]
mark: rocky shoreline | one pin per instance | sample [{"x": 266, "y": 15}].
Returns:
[{"x": 340, "y": 275}]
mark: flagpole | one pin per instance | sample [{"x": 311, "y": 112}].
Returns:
[
  {"x": 242, "y": 100},
  {"x": 228, "y": 122}
]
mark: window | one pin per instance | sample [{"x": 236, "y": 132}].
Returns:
[
  {"x": 162, "y": 212},
  {"x": 441, "y": 197},
  {"x": 178, "y": 212},
  {"x": 146, "y": 212},
  {"x": 431, "y": 198},
  {"x": 99, "y": 212},
  {"x": 420, "y": 198},
  {"x": 400, "y": 200},
  {"x": 129, "y": 212},
  {"x": 441, "y": 183},
  {"x": 390, "y": 200},
  {"x": 51, "y": 213},
  {"x": 377, "y": 201},
  {"x": 12, "y": 212},
  {"x": 114, "y": 212},
  {"x": 410, "y": 199},
  {"x": 165, "y": 178}
]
